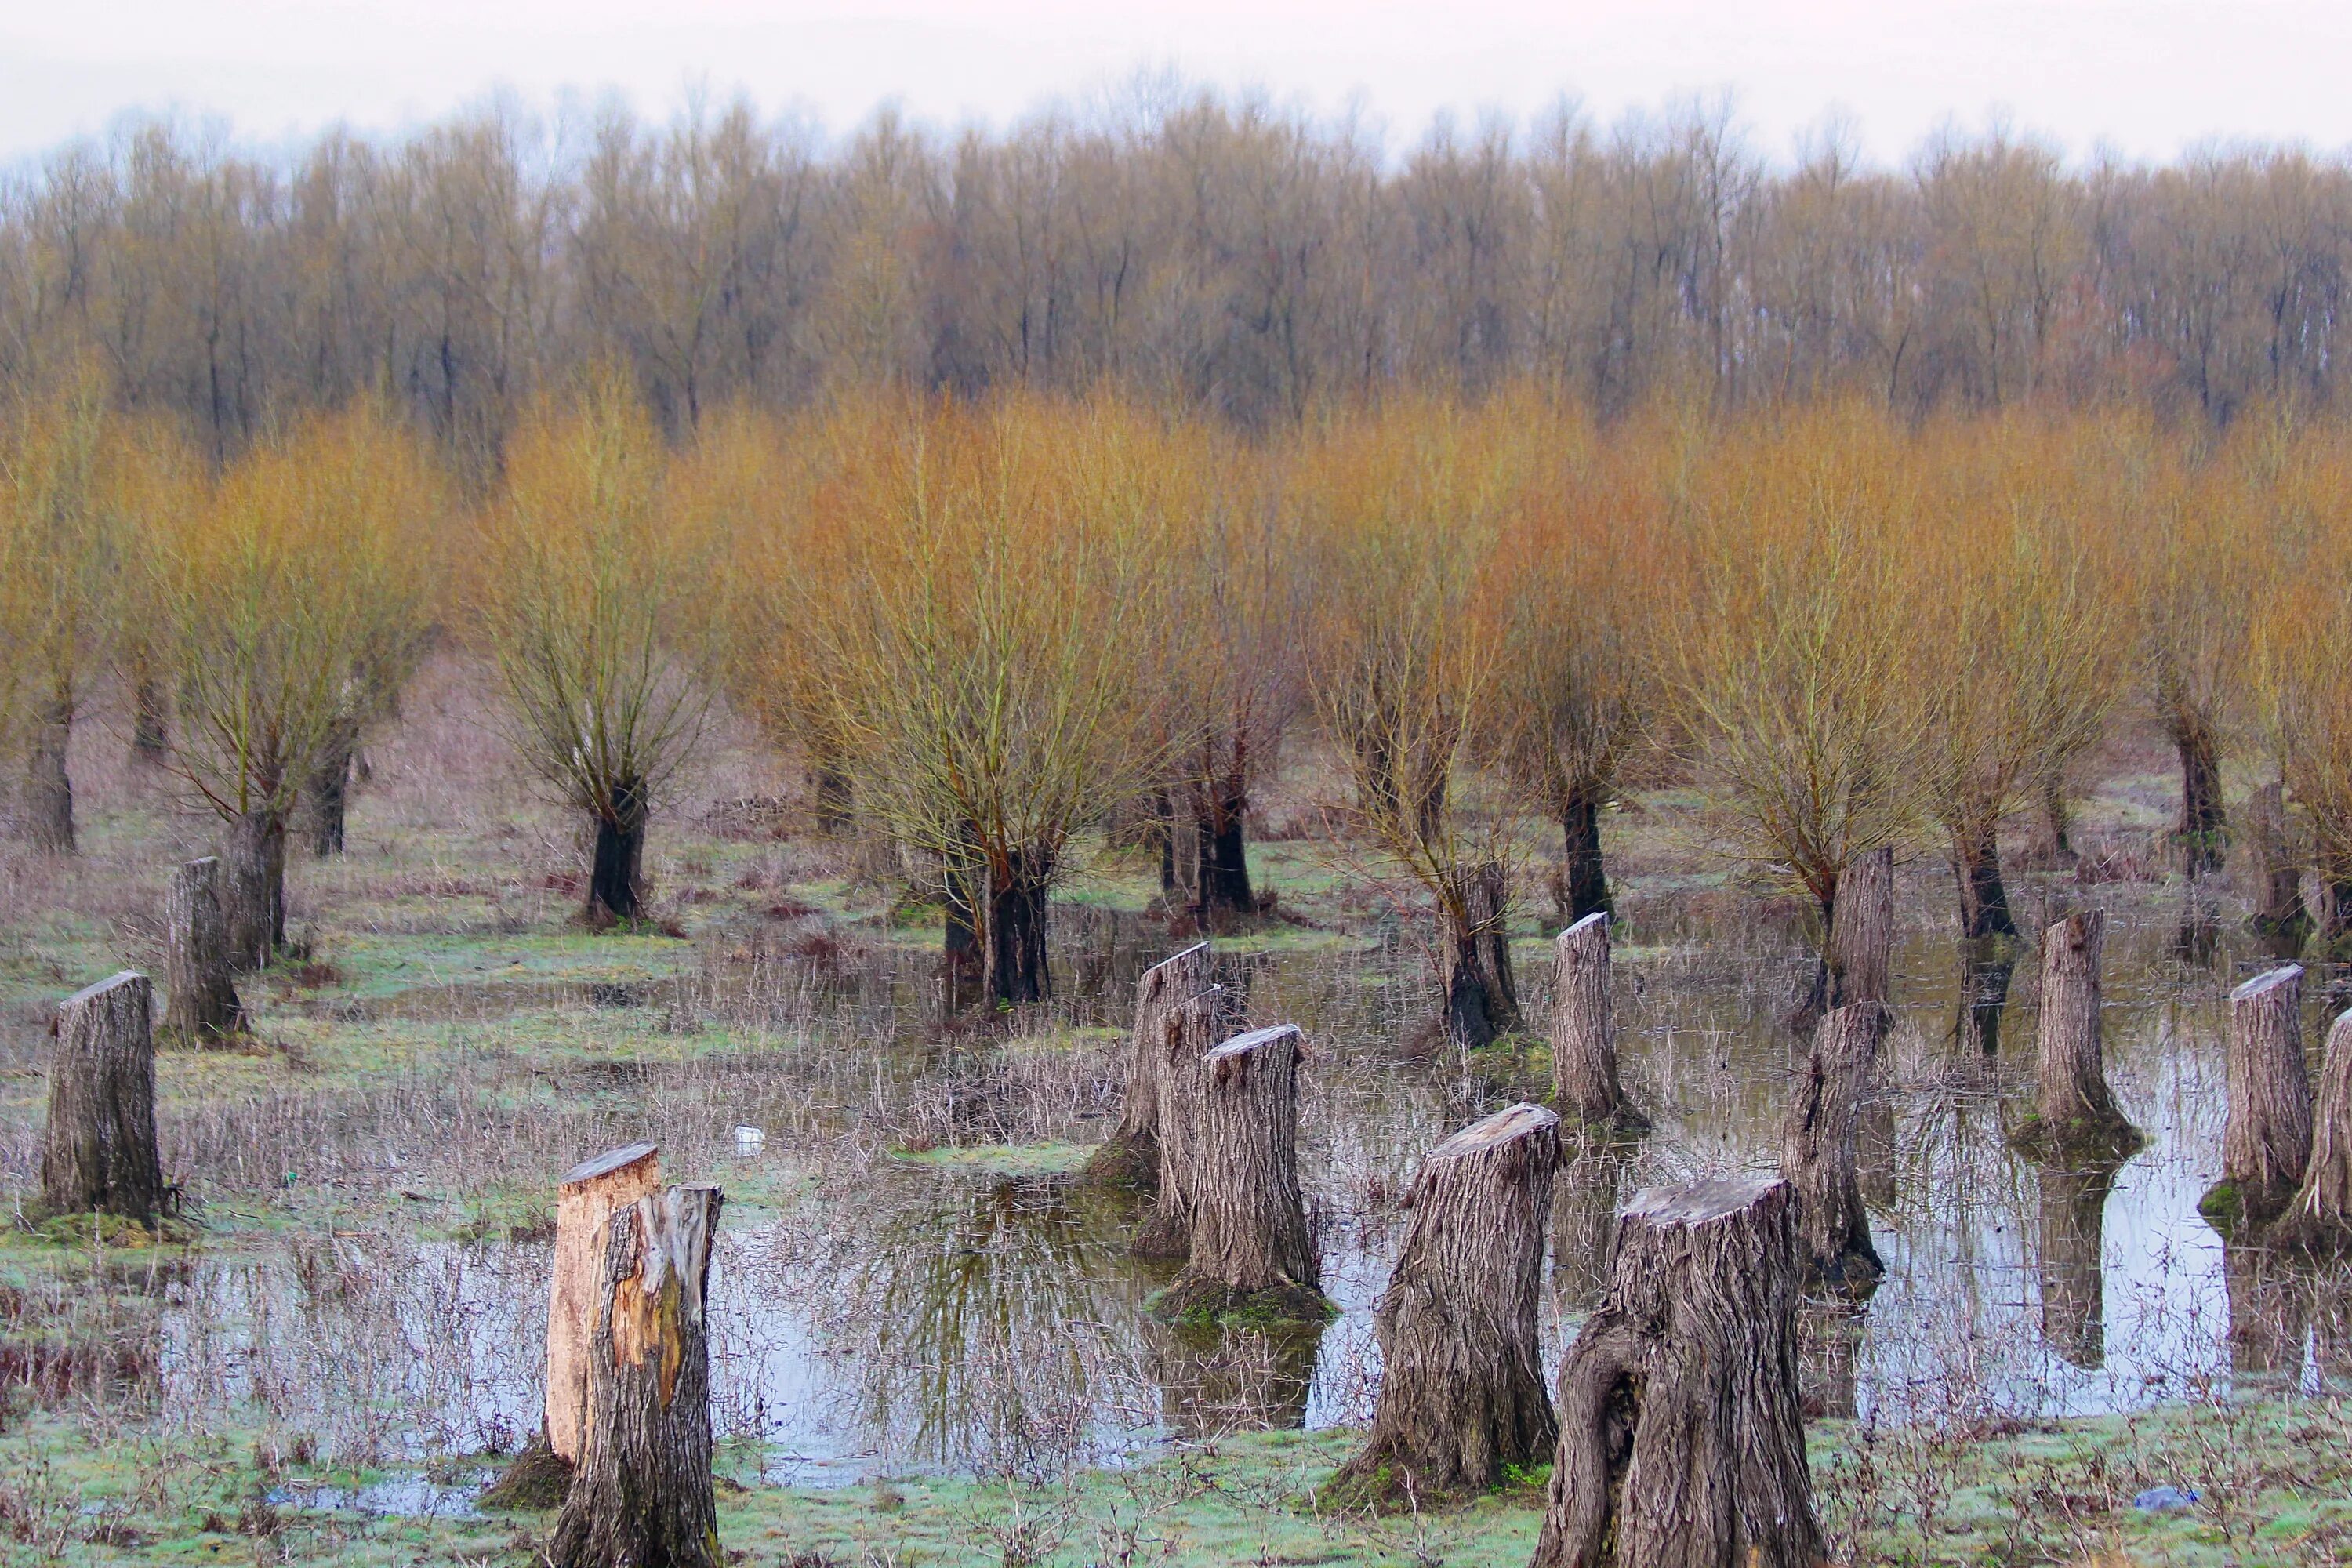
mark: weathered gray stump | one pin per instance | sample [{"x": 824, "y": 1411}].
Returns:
[
  {"x": 98, "y": 1154},
  {"x": 1252, "y": 1253},
  {"x": 2070, "y": 1266},
  {"x": 203, "y": 1006},
  {"x": 1474, "y": 958},
  {"x": 1187, "y": 1032},
  {"x": 1818, "y": 1151},
  {"x": 1462, "y": 1384},
  {"x": 2319, "y": 1217},
  {"x": 2267, "y": 1140},
  {"x": 2075, "y": 1117},
  {"x": 643, "y": 1495},
  {"x": 256, "y": 894},
  {"x": 2279, "y": 917},
  {"x": 1584, "y": 1031},
  {"x": 1130, "y": 1156},
  {"x": 1681, "y": 1440}
]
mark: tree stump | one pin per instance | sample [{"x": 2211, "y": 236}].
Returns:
[
  {"x": 1474, "y": 958},
  {"x": 588, "y": 1194},
  {"x": 2279, "y": 917},
  {"x": 2070, "y": 1266},
  {"x": 643, "y": 1495},
  {"x": 256, "y": 894},
  {"x": 1130, "y": 1156},
  {"x": 1818, "y": 1151},
  {"x": 2075, "y": 1116},
  {"x": 2268, "y": 1139},
  {"x": 1462, "y": 1383},
  {"x": 1251, "y": 1257},
  {"x": 1681, "y": 1441},
  {"x": 204, "y": 1007},
  {"x": 1584, "y": 1031},
  {"x": 1187, "y": 1032},
  {"x": 98, "y": 1154},
  {"x": 2319, "y": 1217}
]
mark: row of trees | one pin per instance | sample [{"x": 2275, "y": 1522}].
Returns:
[
  {"x": 997, "y": 631},
  {"x": 1222, "y": 256}
]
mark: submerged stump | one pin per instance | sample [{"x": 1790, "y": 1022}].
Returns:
[
  {"x": 643, "y": 1495},
  {"x": 1186, "y": 1032},
  {"x": 98, "y": 1153},
  {"x": 1462, "y": 1385},
  {"x": 203, "y": 1006},
  {"x": 2075, "y": 1117},
  {"x": 1681, "y": 1440},
  {"x": 2319, "y": 1217},
  {"x": 2268, "y": 1139},
  {"x": 1130, "y": 1156},
  {"x": 1584, "y": 1031},
  {"x": 1818, "y": 1154},
  {"x": 1252, "y": 1258}
]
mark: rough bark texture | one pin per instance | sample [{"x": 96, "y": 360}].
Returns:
[
  {"x": 616, "y": 871},
  {"x": 585, "y": 1199},
  {"x": 1584, "y": 1031},
  {"x": 99, "y": 1151},
  {"x": 1130, "y": 1156},
  {"x": 255, "y": 890},
  {"x": 2279, "y": 917},
  {"x": 1016, "y": 954},
  {"x": 1818, "y": 1151},
  {"x": 49, "y": 788},
  {"x": 1462, "y": 1384},
  {"x": 1474, "y": 958},
  {"x": 2069, "y": 1269},
  {"x": 2076, "y": 1114},
  {"x": 204, "y": 1006},
  {"x": 1187, "y": 1032},
  {"x": 2319, "y": 1218},
  {"x": 2268, "y": 1139},
  {"x": 642, "y": 1497},
  {"x": 1252, "y": 1253},
  {"x": 1681, "y": 1441},
  {"x": 1583, "y": 877},
  {"x": 1976, "y": 866},
  {"x": 1859, "y": 955},
  {"x": 2204, "y": 825}
]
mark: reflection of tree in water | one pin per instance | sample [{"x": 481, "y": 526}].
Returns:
[
  {"x": 1584, "y": 1218},
  {"x": 2072, "y": 1249},
  {"x": 1213, "y": 1382},
  {"x": 1984, "y": 993},
  {"x": 994, "y": 1323},
  {"x": 2290, "y": 1317},
  {"x": 1829, "y": 1346}
]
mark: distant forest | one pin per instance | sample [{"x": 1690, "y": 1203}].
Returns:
[{"x": 1207, "y": 254}]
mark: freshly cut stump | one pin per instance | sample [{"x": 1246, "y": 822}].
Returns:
[
  {"x": 99, "y": 1154},
  {"x": 2268, "y": 1139},
  {"x": 1186, "y": 1033},
  {"x": 2319, "y": 1218},
  {"x": 643, "y": 1495},
  {"x": 2069, "y": 1269},
  {"x": 1462, "y": 1383},
  {"x": 585, "y": 1199},
  {"x": 2075, "y": 1117},
  {"x": 1681, "y": 1441},
  {"x": 203, "y": 1006},
  {"x": 1251, "y": 1257},
  {"x": 1130, "y": 1156},
  {"x": 1818, "y": 1151},
  {"x": 1584, "y": 1031}
]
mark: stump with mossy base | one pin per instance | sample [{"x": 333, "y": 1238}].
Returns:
[
  {"x": 2267, "y": 1140},
  {"x": 1462, "y": 1386},
  {"x": 2076, "y": 1118},
  {"x": 1584, "y": 1033},
  {"x": 1681, "y": 1439},
  {"x": 642, "y": 1496},
  {"x": 2318, "y": 1218},
  {"x": 1185, "y": 1033},
  {"x": 1819, "y": 1151},
  {"x": 1252, "y": 1258},
  {"x": 1129, "y": 1157},
  {"x": 203, "y": 1006},
  {"x": 98, "y": 1153}
]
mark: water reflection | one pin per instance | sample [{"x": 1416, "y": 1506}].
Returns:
[{"x": 2070, "y": 1265}]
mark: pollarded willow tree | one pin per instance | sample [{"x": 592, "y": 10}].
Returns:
[
  {"x": 591, "y": 598},
  {"x": 980, "y": 596},
  {"x": 307, "y": 560}
]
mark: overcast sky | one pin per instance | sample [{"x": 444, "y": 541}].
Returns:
[{"x": 2145, "y": 76}]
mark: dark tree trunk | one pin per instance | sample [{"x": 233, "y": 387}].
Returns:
[
  {"x": 1584, "y": 1031},
  {"x": 1984, "y": 993},
  {"x": 151, "y": 733},
  {"x": 1016, "y": 973},
  {"x": 1225, "y": 892},
  {"x": 586, "y": 1197},
  {"x": 2071, "y": 1268},
  {"x": 1130, "y": 1156},
  {"x": 256, "y": 887},
  {"x": 1474, "y": 958},
  {"x": 2279, "y": 917},
  {"x": 99, "y": 1154},
  {"x": 2204, "y": 825},
  {"x": 959, "y": 944},
  {"x": 1583, "y": 879},
  {"x": 1857, "y": 946},
  {"x": 1179, "y": 859},
  {"x": 2319, "y": 1218},
  {"x": 2335, "y": 868},
  {"x": 1681, "y": 1441},
  {"x": 1187, "y": 1032},
  {"x": 328, "y": 792},
  {"x": 834, "y": 800},
  {"x": 2049, "y": 846},
  {"x": 1462, "y": 1383},
  {"x": 204, "y": 1007},
  {"x": 2267, "y": 1140},
  {"x": 616, "y": 873},
  {"x": 642, "y": 1497},
  {"x": 1984, "y": 898},
  {"x": 1251, "y": 1247},
  {"x": 49, "y": 788},
  {"x": 2076, "y": 1115},
  {"x": 1818, "y": 1151}
]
